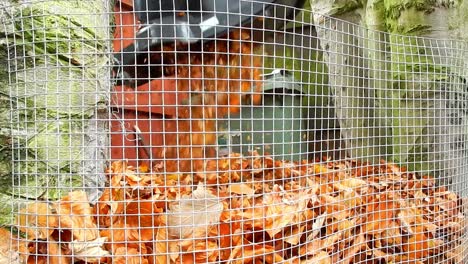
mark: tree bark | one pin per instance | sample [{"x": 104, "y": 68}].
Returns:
[
  {"x": 344, "y": 46},
  {"x": 428, "y": 90},
  {"x": 59, "y": 83},
  {"x": 414, "y": 85}
]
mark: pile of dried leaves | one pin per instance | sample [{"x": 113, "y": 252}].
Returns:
[{"x": 251, "y": 210}]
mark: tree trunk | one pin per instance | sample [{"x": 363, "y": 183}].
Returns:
[
  {"x": 59, "y": 84},
  {"x": 429, "y": 93},
  {"x": 348, "y": 66},
  {"x": 415, "y": 88}
]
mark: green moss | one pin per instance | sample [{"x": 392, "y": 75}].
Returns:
[
  {"x": 57, "y": 92},
  {"x": 345, "y": 6},
  {"x": 394, "y": 8},
  {"x": 59, "y": 144},
  {"x": 335, "y": 7},
  {"x": 7, "y": 204}
]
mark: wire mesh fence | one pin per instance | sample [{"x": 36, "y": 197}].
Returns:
[{"x": 229, "y": 132}]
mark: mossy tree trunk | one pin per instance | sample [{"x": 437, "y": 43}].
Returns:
[
  {"x": 415, "y": 86},
  {"x": 344, "y": 47},
  {"x": 429, "y": 89},
  {"x": 54, "y": 93}
]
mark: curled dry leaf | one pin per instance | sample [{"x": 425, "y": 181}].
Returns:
[
  {"x": 248, "y": 253},
  {"x": 75, "y": 214},
  {"x": 357, "y": 245},
  {"x": 141, "y": 216},
  {"x": 128, "y": 255},
  {"x": 37, "y": 220},
  {"x": 321, "y": 257},
  {"x": 9, "y": 248},
  {"x": 380, "y": 214},
  {"x": 317, "y": 226},
  {"x": 241, "y": 188},
  {"x": 89, "y": 251},
  {"x": 293, "y": 235},
  {"x": 284, "y": 208},
  {"x": 200, "y": 251},
  {"x": 160, "y": 246},
  {"x": 192, "y": 216},
  {"x": 46, "y": 252}
]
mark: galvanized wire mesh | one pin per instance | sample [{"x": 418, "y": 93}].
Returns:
[{"x": 268, "y": 133}]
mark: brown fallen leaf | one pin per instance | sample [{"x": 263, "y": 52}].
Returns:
[
  {"x": 293, "y": 235},
  {"x": 241, "y": 188},
  {"x": 9, "y": 248},
  {"x": 380, "y": 214},
  {"x": 420, "y": 246},
  {"x": 193, "y": 216},
  {"x": 321, "y": 257},
  {"x": 128, "y": 255},
  {"x": 334, "y": 207},
  {"x": 89, "y": 251},
  {"x": 160, "y": 247},
  {"x": 46, "y": 252},
  {"x": 144, "y": 215},
  {"x": 247, "y": 253},
  {"x": 37, "y": 220},
  {"x": 284, "y": 208},
  {"x": 75, "y": 213},
  {"x": 200, "y": 251},
  {"x": 358, "y": 244},
  {"x": 317, "y": 226}
]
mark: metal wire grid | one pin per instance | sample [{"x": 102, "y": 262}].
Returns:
[{"x": 358, "y": 96}]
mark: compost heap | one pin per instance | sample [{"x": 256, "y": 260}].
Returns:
[{"x": 254, "y": 209}]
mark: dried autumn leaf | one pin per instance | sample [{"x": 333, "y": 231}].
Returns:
[
  {"x": 358, "y": 244},
  {"x": 379, "y": 254},
  {"x": 284, "y": 208},
  {"x": 111, "y": 203},
  {"x": 380, "y": 215},
  {"x": 319, "y": 169},
  {"x": 9, "y": 248},
  {"x": 317, "y": 226},
  {"x": 193, "y": 216},
  {"x": 160, "y": 246},
  {"x": 75, "y": 213},
  {"x": 89, "y": 251},
  {"x": 46, "y": 252},
  {"x": 321, "y": 257},
  {"x": 420, "y": 246},
  {"x": 241, "y": 188},
  {"x": 37, "y": 220},
  {"x": 112, "y": 200},
  {"x": 311, "y": 248},
  {"x": 246, "y": 253},
  {"x": 406, "y": 258},
  {"x": 392, "y": 235},
  {"x": 128, "y": 255},
  {"x": 334, "y": 207},
  {"x": 199, "y": 251},
  {"x": 293, "y": 234},
  {"x": 144, "y": 215}
]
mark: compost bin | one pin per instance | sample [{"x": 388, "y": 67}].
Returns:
[{"x": 277, "y": 127}]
